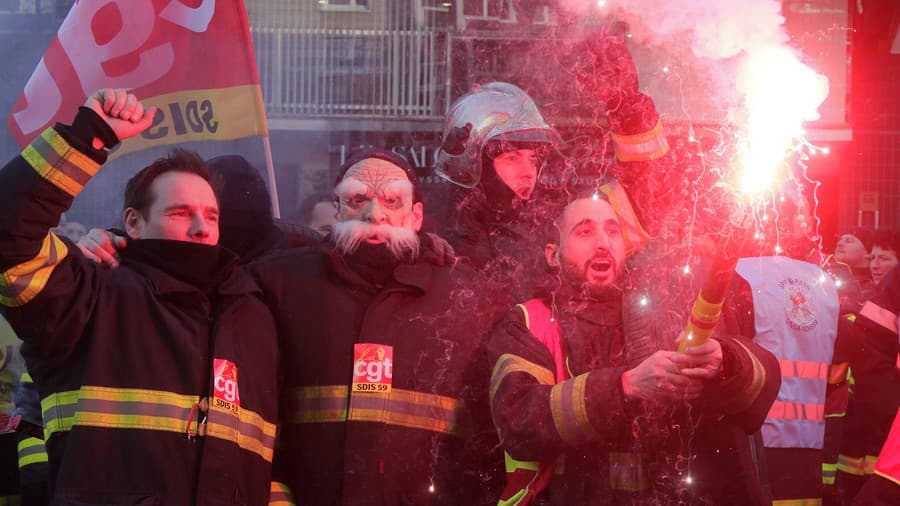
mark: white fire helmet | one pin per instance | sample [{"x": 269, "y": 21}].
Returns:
[{"x": 494, "y": 111}]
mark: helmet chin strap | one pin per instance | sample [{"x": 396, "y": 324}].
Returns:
[{"x": 499, "y": 196}]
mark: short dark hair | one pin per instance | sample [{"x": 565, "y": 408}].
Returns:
[
  {"x": 137, "y": 192},
  {"x": 887, "y": 239}
]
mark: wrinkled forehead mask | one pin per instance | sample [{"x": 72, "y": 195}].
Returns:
[{"x": 374, "y": 176}]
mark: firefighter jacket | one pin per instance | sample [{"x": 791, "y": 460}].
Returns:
[
  {"x": 854, "y": 286},
  {"x": 385, "y": 381},
  {"x": 876, "y": 392},
  {"x": 570, "y": 435},
  {"x": 795, "y": 316},
  {"x": 155, "y": 390},
  {"x": 884, "y": 487}
]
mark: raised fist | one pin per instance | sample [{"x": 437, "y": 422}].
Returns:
[{"x": 122, "y": 111}]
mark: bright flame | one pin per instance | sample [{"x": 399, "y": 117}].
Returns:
[{"x": 780, "y": 94}]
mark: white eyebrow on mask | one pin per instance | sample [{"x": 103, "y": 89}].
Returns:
[
  {"x": 351, "y": 187},
  {"x": 395, "y": 188}
]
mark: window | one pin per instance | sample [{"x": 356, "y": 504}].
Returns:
[{"x": 344, "y": 5}]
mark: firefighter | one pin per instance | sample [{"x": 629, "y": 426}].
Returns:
[
  {"x": 790, "y": 307},
  {"x": 590, "y": 401},
  {"x": 876, "y": 391},
  {"x": 495, "y": 147},
  {"x": 156, "y": 378},
  {"x": 883, "y": 255},
  {"x": 384, "y": 373},
  {"x": 849, "y": 265},
  {"x": 883, "y": 488}
]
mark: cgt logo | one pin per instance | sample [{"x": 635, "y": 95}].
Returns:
[
  {"x": 374, "y": 371},
  {"x": 225, "y": 381},
  {"x": 373, "y": 368}
]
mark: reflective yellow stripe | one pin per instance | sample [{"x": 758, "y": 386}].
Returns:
[
  {"x": 860, "y": 466},
  {"x": 567, "y": 405},
  {"x": 405, "y": 408},
  {"x": 134, "y": 408},
  {"x": 879, "y": 315},
  {"x": 57, "y": 162},
  {"x": 280, "y": 495},
  {"x": 527, "y": 316},
  {"x": 25, "y": 378},
  {"x": 246, "y": 428},
  {"x": 23, "y": 282},
  {"x": 645, "y": 146},
  {"x": 31, "y": 451},
  {"x": 58, "y": 412},
  {"x": 828, "y": 473},
  {"x": 513, "y": 465},
  {"x": 318, "y": 404},
  {"x": 626, "y": 472},
  {"x": 408, "y": 408},
  {"x": 127, "y": 408},
  {"x": 515, "y": 499},
  {"x": 797, "y": 502},
  {"x": 508, "y": 364}
]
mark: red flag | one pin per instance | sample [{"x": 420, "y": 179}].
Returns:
[{"x": 191, "y": 58}]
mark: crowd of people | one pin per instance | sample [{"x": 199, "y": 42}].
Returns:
[{"x": 525, "y": 354}]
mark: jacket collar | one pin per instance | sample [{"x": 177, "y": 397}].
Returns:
[
  {"x": 433, "y": 252},
  {"x": 163, "y": 279}
]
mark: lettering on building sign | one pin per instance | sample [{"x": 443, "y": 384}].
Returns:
[{"x": 420, "y": 157}]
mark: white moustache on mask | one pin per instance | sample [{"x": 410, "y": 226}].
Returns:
[{"x": 402, "y": 242}]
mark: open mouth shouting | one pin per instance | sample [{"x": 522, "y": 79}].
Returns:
[{"x": 601, "y": 270}]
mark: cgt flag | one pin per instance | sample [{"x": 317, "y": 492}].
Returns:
[{"x": 191, "y": 58}]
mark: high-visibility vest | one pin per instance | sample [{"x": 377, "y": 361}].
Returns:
[
  {"x": 525, "y": 480},
  {"x": 796, "y": 310}
]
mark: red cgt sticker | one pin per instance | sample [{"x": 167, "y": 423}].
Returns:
[
  {"x": 225, "y": 385},
  {"x": 373, "y": 368}
]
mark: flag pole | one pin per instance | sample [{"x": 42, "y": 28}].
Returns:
[{"x": 270, "y": 175}]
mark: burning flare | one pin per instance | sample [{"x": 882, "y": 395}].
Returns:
[{"x": 780, "y": 93}]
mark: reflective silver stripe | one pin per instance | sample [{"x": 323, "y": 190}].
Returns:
[{"x": 879, "y": 315}]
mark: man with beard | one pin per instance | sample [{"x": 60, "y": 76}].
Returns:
[
  {"x": 496, "y": 144},
  {"x": 591, "y": 404},
  {"x": 381, "y": 333}
]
